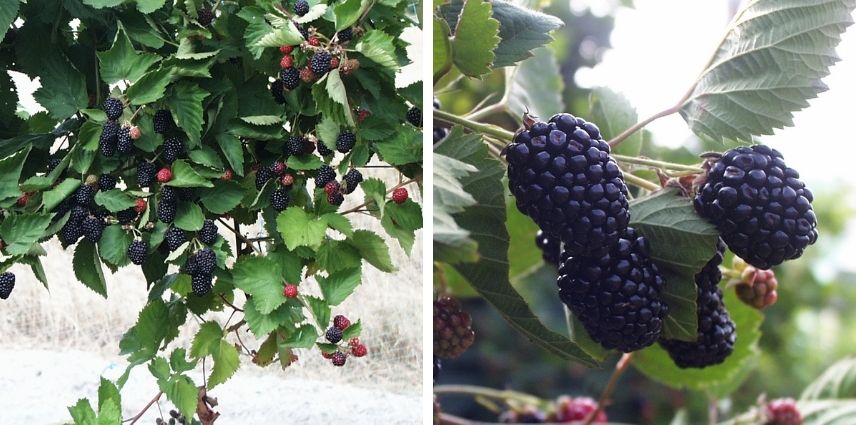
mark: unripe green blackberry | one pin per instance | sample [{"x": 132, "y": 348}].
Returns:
[{"x": 453, "y": 332}]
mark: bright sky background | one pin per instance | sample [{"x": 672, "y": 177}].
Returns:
[{"x": 660, "y": 46}]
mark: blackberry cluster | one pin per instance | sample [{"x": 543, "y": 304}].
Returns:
[
  {"x": 7, "y": 284},
  {"x": 323, "y": 150},
  {"x": 163, "y": 121},
  {"x": 146, "y": 173},
  {"x": 439, "y": 132},
  {"x": 352, "y": 179},
  {"x": 616, "y": 296},
  {"x": 263, "y": 175},
  {"x": 106, "y": 182},
  {"x": 301, "y": 7},
  {"x": 325, "y": 175},
  {"x": 279, "y": 199},
  {"x": 290, "y": 78},
  {"x": 320, "y": 63},
  {"x": 175, "y": 237},
  {"x": 334, "y": 334},
  {"x": 294, "y": 145},
  {"x": 551, "y": 249},
  {"x": 113, "y": 108},
  {"x": 760, "y": 206},
  {"x": 453, "y": 332},
  {"x": 109, "y": 138},
  {"x": 124, "y": 142},
  {"x": 414, "y": 116},
  {"x": 92, "y": 227},
  {"x": 346, "y": 141},
  {"x": 716, "y": 331},
  {"x": 208, "y": 233},
  {"x": 173, "y": 148},
  {"x": 276, "y": 90},
  {"x": 137, "y": 251},
  {"x": 562, "y": 176},
  {"x": 201, "y": 266},
  {"x": 345, "y": 35}
]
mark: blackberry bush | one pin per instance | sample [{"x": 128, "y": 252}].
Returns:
[{"x": 157, "y": 120}]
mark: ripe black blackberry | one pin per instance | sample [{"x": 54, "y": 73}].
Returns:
[
  {"x": 137, "y": 251},
  {"x": 93, "y": 227},
  {"x": 52, "y": 164},
  {"x": 168, "y": 194},
  {"x": 324, "y": 175},
  {"x": 206, "y": 261},
  {"x": 346, "y": 141},
  {"x": 279, "y": 199},
  {"x": 551, "y": 248},
  {"x": 208, "y": 233},
  {"x": 204, "y": 15},
  {"x": 334, "y": 334},
  {"x": 414, "y": 116},
  {"x": 338, "y": 358},
  {"x": 616, "y": 296},
  {"x": 323, "y": 149},
  {"x": 124, "y": 142},
  {"x": 290, "y": 78},
  {"x": 78, "y": 213},
  {"x": 175, "y": 237},
  {"x": 439, "y": 132},
  {"x": 760, "y": 206},
  {"x": 7, "y": 284},
  {"x": 113, "y": 108},
  {"x": 106, "y": 182},
  {"x": 320, "y": 63},
  {"x": 263, "y": 175},
  {"x": 345, "y": 35},
  {"x": 186, "y": 193},
  {"x": 562, "y": 176},
  {"x": 163, "y": 121},
  {"x": 335, "y": 198},
  {"x": 166, "y": 211},
  {"x": 453, "y": 332},
  {"x": 276, "y": 89},
  {"x": 85, "y": 195},
  {"x": 109, "y": 138},
  {"x": 301, "y": 7},
  {"x": 173, "y": 148},
  {"x": 294, "y": 145},
  {"x": 200, "y": 284},
  {"x": 716, "y": 330},
  {"x": 146, "y": 173},
  {"x": 70, "y": 233},
  {"x": 351, "y": 180},
  {"x": 126, "y": 216}
]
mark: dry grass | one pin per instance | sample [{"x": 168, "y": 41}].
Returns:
[{"x": 70, "y": 316}]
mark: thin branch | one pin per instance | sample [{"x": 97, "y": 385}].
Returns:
[
  {"x": 655, "y": 163},
  {"x": 620, "y": 367},
  {"x": 238, "y": 235},
  {"x": 641, "y": 124},
  {"x": 236, "y": 326},
  {"x": 154, "y": 400},
  {"x": 230, "y": 304},
  {"x": 640, "y": 182},
  {"x": 474, "y": 390},
  {"x": 488, "y": 129}
]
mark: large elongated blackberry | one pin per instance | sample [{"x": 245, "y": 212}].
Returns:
[
  {"x": 146, "y": 173},
  {"x": 760, "y": 206},
  {"x": 320, "y": 63},
  {"x": 346, "y": 141},
  {"x": 173, "y": 148},
  {"x": 163, "y": 121},
  {"x": 109, "y": 138},
  {"x": 70, "y": 233},
  {"x": 323, "y": 149},
  {"x": 175, "y": 237},
  {"x": 78, "y": 213},
  {"x": 352, "y": 179},
  {"x": 206, "y": 261},
  {"x": 551, "y": 248},
  {"x": 113, "y": 108},
  {"x": 200, "y": 284},
  {"x": 325, "y": 175},
  {"x": 137, "y": 251},
  {"x": 7, "y": 284},
  {"x": 716, "y": 331},
  {"x": 279, "y": 199},
  {"x": 93, "y": 227},
  {"x": 616, "y": 296},
  {"x": 166, "y": 211},
  {"x": 168, "y": 194},
  {"x": 276, "y": 89},
  {"x": 290, "y": 78},
  {"x": 562, "y": 176},
  {"x": 85, "y": 195},
  {"x": 124, "y": 142},
  {"x": 208, "y": 233}
]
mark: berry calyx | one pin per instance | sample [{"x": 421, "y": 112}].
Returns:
[
  {"x": 399, "y": 195},
  {"x": 286, "y": 62},
  {"x": 341, "y": 322},
  {"x": 164, "y": 175},
  {"x": 290, "y": 291}
]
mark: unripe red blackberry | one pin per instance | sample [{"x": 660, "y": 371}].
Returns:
[
  {"x": 286, "y": 62},
  {"x": 577, "y": 409},
  {"x": 616, "y": 296},
  {"x": 562, "y": 176},
  {"x": 338, "y": 358},
  {"x": 164, "y": 175},
  {"x": 306, "y": 75},
  {"x": 783, "y": 411},
  {"x": 757, "y": 288},
  {"x": 759, "y": 205},
  {"x": 359, "y": 350},
  {"x": 341, "y": 322},
  {"x": 331, "y": 187},
  {"x": 205, "y": 16},
  {"x": 290, "y": 291},
  {"x": 139, "y": 205},
  {"x": 453, "y": 332},
  {"x": 399, "y": 195}
]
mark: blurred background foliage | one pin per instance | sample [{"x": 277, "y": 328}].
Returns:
[{"x": 807, "y": 330}]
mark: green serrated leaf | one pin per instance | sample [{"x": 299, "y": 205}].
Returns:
[
  {"x": 347, "y": 12},
  {"x": 320, "y": 310},
  {"x": 260, "y": 277},
  {"x": 372, "y": 248},
  {"x": 189, "y": 217},
  {"x": 378, "y": 46},
  {"x": 150, "y": 87},
  {"x": 63, "y": 90},
  {"x": 185, "y": 102},
  {"x": 339, "y": 285},
  {"x": 536, "y": 86},
  {"x": 298, "y": 228},
  {"x": 223, "y": 197},
  {"x": 452, "y": 243},
  {"x": 302, "y": 337},
  {"x": 613, "y": 113},
  {"x": 184, "y": 175},
  {"x": 55, "y": 196},
  {"x": 475, "y": 38},
  {"x": 122, "y": 62},
  {"x": 82, "y": 413},
  {"x": 113, "y": 245},
  {"x": 115, "y": 200},
  {"x": 226, "y": 363},
  {"x": 206, "y": 339},
  {"x": 20, "y": 231},
  {"x": 10, "y": 173}
]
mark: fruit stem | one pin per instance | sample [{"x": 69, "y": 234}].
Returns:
[
  {"x": 140, "y": 415},
  {"x": 488, "y": 129},
  {"x": 487, "y": 392},
  {"x": 638, "y": 126},
  {"x": 239, "y": 235},
  {"x": 655, "y": 163},
  {"x": 640, "y": 182},
  {"x": 620, "y": 367}
]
